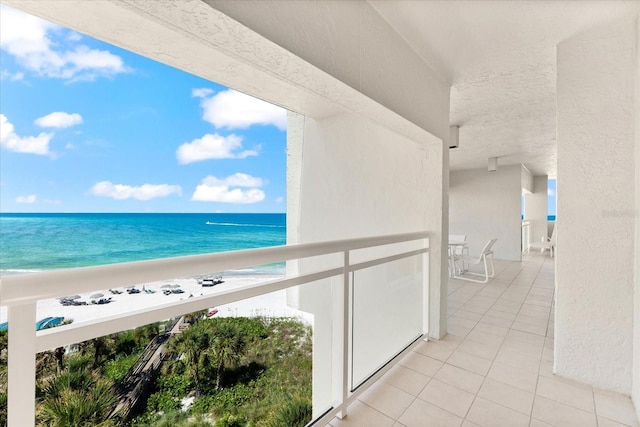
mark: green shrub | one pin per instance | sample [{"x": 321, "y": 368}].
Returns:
[
  {"x": 230, "y": 399},
  {"x": 203, "y": 405},
  {"x": 296, "y": 413},
  {"x": 3, "y": 409},
  {"x": 177, "y": 384},
  {"x": 116, "y": 369},
  {"x": 163, "y": 401},
  {"x": 229, "y": 420},
  {"x": 171, "y": 419}
]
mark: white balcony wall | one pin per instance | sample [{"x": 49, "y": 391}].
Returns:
[
  {"x": 636, "y": 328},
  {"x": 351, "y": 42},
  {"x": 355, "y": 178},
  {"x": 486, "y": 205},
  {"x": 535, "y": 209},
  {"x": 597, "y": 72},
  {"x": 527, "y": 181}
]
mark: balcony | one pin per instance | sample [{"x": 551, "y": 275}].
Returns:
[
  {"x": 494, "y": 368},
  {"x": 353, "y": 270}
]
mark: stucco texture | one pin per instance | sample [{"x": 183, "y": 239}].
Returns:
[
  {"x": 596, "y": 205},
  {"x": 485, "y": 205}
]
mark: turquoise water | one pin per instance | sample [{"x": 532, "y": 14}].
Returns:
[{"x": 36, "y": 242}]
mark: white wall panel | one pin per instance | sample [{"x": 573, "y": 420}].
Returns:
[
  {"x": 485, "y": 205},
  {"x": 596, "y": 207}
]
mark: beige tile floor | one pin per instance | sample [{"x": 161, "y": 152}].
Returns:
[{"x": 494, "y": 368}]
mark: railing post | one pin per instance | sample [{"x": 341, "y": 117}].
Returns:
[
  {"x": 345, "y": 336},
  {"x": 21, "y": 384},
  {"x": 426, "y": 292}
]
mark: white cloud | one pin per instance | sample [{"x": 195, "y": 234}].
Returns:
[
  {"x": 23, "y": 144},
  {"x": 201, "y": 92},
  {"x": 59, "y": 119},
  {"x": 230, "y": 189},
  {"x": 14, "y": 77},
  {"x": 143, "y": 192},
  {"x": 31, "y": 41},
  {"x": 234, "y": 110},
  {"x": 551, "y": 192},
  {"x": 238, "y": 180},
  {"x": 279, "y": 199},
  {"x": 213, "y": 146},
  {"x": 31, "y": 198}
]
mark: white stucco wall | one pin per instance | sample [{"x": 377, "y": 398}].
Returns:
[
  {"x": 526, "y": 180},
  {"x": 357, "y": 179},
  {"x": 357, "y": 47},
  {"x": 535, "y": 209},
  {"x": 596, "y": 205},
  {"x": 636, "y": 347},
  {"x": 485, "y": 205}
]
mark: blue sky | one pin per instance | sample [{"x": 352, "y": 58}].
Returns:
[
  {"x": 551, "y": 201},
  {"x": 88, "y": 127}
]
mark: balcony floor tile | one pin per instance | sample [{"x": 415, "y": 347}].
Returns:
[{"x": 495, "y": 368}]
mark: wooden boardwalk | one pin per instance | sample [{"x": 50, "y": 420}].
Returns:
[{"x": 136, "y": 382}]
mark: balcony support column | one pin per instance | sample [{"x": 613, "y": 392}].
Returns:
[
  {"x": 22, "y": 365},
  {"x": 597, "y": 72}
]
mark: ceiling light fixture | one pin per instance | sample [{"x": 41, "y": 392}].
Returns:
[
  {"x": 454, "y": 136},
  {"x": 493, "y": 164}
]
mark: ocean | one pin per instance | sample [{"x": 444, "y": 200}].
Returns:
[{"x": 37, "y": 242}]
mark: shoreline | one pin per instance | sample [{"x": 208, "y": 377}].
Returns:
[{"x": 269, "y": 305}]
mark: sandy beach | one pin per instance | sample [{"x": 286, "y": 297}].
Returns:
[{"x": 269, "y": 305}]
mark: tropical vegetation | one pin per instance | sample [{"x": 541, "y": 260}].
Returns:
[
  {"x": 3, "y": 377},
  {"x": 224, "y": 372},
  {"x": 245, "y": 372}
]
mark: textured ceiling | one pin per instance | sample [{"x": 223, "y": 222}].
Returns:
[{"x": 500, "y": 59}]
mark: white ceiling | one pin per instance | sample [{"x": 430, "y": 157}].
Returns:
[{"x": 500, "y": 59}]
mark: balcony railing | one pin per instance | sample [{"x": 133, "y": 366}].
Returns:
[
  {"x": 525, "y": 236},
  {"x": 21, "y": 293}
]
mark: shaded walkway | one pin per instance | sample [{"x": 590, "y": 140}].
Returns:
[{"x": 495, "y": 366}]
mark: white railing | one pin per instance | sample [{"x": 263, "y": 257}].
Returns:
[
  {"x": 526, "y": 232},
  {"x": 21, "y": 293}
]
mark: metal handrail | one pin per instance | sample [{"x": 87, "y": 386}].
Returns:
[
  {"x": 20, "y": 294},
  {"x": 22, "y": 289}
]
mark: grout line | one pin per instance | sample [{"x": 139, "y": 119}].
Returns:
[{"x": 501, "y": 343}]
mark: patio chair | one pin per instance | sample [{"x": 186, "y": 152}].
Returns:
[
  {"x": 487, "y": 253},
  {"x": 546, "y": 243},
  {"x": 457, "y": 246}
]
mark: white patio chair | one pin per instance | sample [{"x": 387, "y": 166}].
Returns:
[
  {"x": 546, "y": 243},
  {"x": 457, "y": 246},
  {"x": 487, "y": 253}
]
